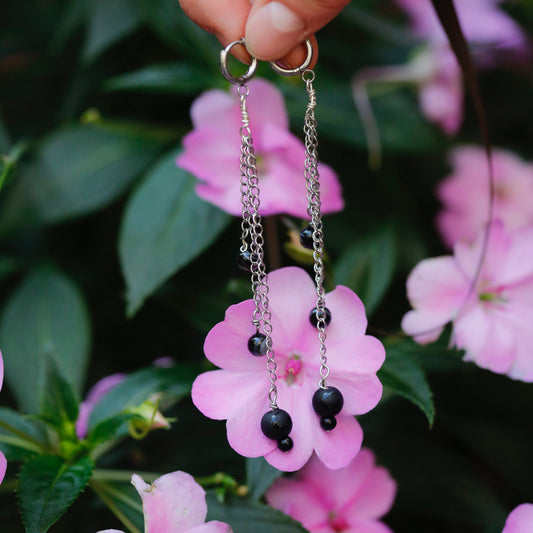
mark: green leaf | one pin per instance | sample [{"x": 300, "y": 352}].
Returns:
[
  {"x": 59, "y": 401},
  {"x": 245, "y": 516},
  {"x": 169, "y": 22},
  {"x": 109, "y": 429},
  {"x": 165, "y": 226},
  {"x": 138, "y": 387},
  {"x": 368, "y": 266},
  {"x": 259, "y": 476},
  {"x": 75, "y": 171},
  {"x": 20, "y": 437},
  {"x": 165, "y": 78},
  {"x": 123, "y": 500},
  {"x": 45, "y": 317},
  {"x": 48, "y": 487},
  {"x": 109, "y": 21},
  {"x": 402, "y": 374}
]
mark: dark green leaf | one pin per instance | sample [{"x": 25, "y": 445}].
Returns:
[
  {"x": 401, "y": 374},
  {"x": 59, "y": 401},
  {"x": 76, "y": 171},
  {"x": 259, "y": 476},
  {"x": 169, "y": 22},
  {"x": 138, "y": 387},
  {"x": 48, "y": 487},
  {"x": 20, "y": 437},
  {"x": 368, "y": 266},
  {"x": 123, "y": 501},
  {"x": 45, "y": 317},
  {"x": 109, "y": 21},
  {"x": 245, "y": 516},
  {"x": 166, "y": 78},
  {"x": 165, "y": 226},
  {"x": 109, "y": 428}
]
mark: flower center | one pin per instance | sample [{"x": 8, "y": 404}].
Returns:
[
  {"x": 337, "y": 523},
  {"x": 292, "y": 369}
]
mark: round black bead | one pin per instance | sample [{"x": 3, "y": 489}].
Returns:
[
  {"x": 276, "y": 424},
  {"x": 313, "y": 316},
  {"x": 306, "y": 237},
  {"x": 286, "y": 444},
  {"x": 328, "y": 402},
  {"x": 257, "y": 344},
  {"x": 327, "y": 423},
  {"x": 244, "y": 260}
]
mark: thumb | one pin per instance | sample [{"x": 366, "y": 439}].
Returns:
[{"x": 275, "y": 27}]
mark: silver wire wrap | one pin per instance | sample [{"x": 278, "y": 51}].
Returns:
[
  {"x": 252, "y": 238},
  {"x": 315, "y": 214}
]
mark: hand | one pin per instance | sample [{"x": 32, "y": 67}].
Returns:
[{"x": 273, "y": 29}]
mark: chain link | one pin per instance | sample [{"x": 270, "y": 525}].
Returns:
[
  {"x": 252, "y": 239},
  {"x": 314, "y": 211}
]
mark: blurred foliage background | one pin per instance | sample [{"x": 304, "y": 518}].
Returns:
[{"x": 94, "y": 100}]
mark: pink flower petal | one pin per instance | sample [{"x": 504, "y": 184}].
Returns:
[
  {"x": 369, "y": 527},
  {"x": 338, "y": 447},
  {"x": 215, "y": 108},
  {"x": 361, "y": 392},
  {"x": 3, "y": 466},
  {"x": 520, "y": 520},
  {"x": 211, "y": 527},
  {"x": 359, "y": 355},
  {"x": 173, "y": 503},
  {"x": 300, "y": 500},
  {"x": 110, "y": 531},
  {"x": 347, "y": 312},
  {"x": 424, "y": 326},
  {"x": 266, "y": 105}
]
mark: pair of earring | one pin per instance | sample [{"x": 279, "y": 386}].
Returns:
[{"x": 276, "y": 424}]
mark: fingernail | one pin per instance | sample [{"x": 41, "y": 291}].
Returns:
[{"x": 272, "y": 30}]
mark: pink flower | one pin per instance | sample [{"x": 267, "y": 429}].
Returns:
[
  {"x": 492, "y": 323},
  {"x": 238, "y": 392},
  {"x": 465, "y": 193},
  {"x": 441, "y": 87},
  {"x": 174, "y": 503},
  {"x": 212, "y": 151},
  {"x": 3, "y": 461},
  {"x": 520, "y": 520},
  {"x": 100, "y": 389},
  {"x": 482, "y": 21},
  {"x": 351, "y": 499}
]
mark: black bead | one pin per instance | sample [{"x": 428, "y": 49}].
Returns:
[
  {"x": 328, "y": 402},
  {"x": 276, "y": 424},
  {"x": 257, "y": 344},
  {"x": 306, "y": 237},
  {"x": 244, "y": 260},
  {"x": 286, "y": 444},
  {"x": 327, "y": 423},
  {"x": 313, "y": 316}
]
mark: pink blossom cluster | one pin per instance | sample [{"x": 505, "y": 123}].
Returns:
[
  {"x": 491, "y": 309},
  {"x": 174, "y": 503},
  {"x": 351, "y": 499},
  {"x": 488, "y": 29},
  {"x": 520, "y": 520},
  {"x": 211, "y": 153},
  {"x": 238, "y": 391},
  {"x": 465, "y": 193}
]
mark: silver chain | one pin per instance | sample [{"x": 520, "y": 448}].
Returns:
[
  {"x": 314, "y": 212},
  {"x": 252, "y": 238}
]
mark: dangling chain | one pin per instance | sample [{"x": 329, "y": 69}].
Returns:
[
  {"x": 314, "y": 212},
  {"x": 252, "y": 237}
]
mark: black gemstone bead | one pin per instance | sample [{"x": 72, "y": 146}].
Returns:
[
  {"x": 257, "y": 344},
  {"x": 276, "y": 424},
  {"x": 306, "y": 237},
  {"x": 244, "y": 260},
  {"x": 286, "y": 444},
  {"x": 327, "y": 423},
  {"x": 328, "y": 402},
  {"x": 313, "y": 316}
]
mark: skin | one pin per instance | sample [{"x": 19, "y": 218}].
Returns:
[{"x": 230, "y": 20}]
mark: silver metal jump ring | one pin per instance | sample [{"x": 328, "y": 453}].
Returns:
[
  {"x": 237, "y": 80},
  {"x": 298, "y": 70}
]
